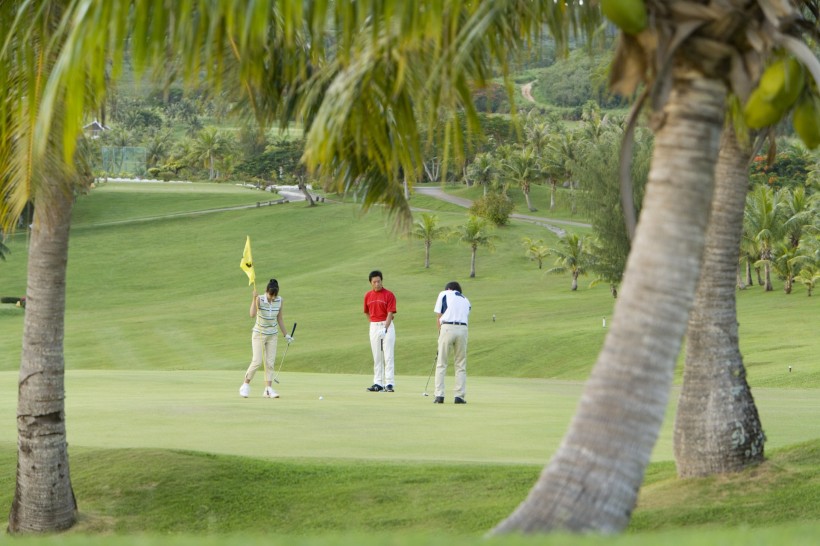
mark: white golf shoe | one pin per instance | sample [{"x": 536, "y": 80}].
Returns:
[
  {"x": 270, "y": 393},
  {"x": 244, "y": 390}
]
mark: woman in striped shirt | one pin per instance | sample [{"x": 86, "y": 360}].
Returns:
[{"x": 267, "y": 309}]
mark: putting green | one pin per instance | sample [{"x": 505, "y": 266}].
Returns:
[{"x": 514, "y": 421}]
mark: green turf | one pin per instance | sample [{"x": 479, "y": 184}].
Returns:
[
  {"x": 508, "y": 421},
  {"x": 168, "y": 294},
  {"x": 157, "y": 339},
  {"x": 168, "y": 492}
]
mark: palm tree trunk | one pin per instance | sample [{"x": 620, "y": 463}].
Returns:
[
  {"x": 592, "y": 482},
  {"x": 527, "y": 197},
  {"x": 472, "y": 262},
  {"x": 768, "y": 272},
  {"x": 427, "y": 254},
  {"x": 717, "y": 427},
  {"x": 43, "y": 498},
  {"x": 552, "y": 195},
  {"x": 574, "y": 281},
  {"x": 749, "y": 280},
  {"x": 308, "y": 197}
]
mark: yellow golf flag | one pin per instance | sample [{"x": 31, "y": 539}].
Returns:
[{"x": 247, "y": 262}]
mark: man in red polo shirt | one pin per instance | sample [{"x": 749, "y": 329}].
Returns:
[{"x": 380, "y": 307}]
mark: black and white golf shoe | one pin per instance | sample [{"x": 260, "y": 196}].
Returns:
[{"x": 375, "y": 388}]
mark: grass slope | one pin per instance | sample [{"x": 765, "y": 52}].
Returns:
[
  {"x": 168, "y": 294},
  {"x": 157, "y": 333},
  {"x": 130, "y": 491}
]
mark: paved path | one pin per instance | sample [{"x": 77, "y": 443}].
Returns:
[{"x": 549, "y": 223}]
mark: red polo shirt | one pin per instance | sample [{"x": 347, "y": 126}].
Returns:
[{"x": 378, "y": 304}]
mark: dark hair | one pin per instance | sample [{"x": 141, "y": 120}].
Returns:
[
  {"x": 375, "y": 273},
  {"x": 453, "y": 285},
  {"x": 273, "y": 287}
]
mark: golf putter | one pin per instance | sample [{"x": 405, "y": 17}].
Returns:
[
  {"x": 435, "y": 361},
  {"x": 384, "y": 366},
  {"x": 275, "y": 377}
]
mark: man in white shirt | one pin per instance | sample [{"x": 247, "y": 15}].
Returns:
[{"x": 452, "y": 311}]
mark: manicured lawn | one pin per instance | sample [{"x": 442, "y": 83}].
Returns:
[{"x": 158, "y": 338}]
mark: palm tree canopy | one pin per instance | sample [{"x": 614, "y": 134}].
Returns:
[{"x": 404, "y": 63}]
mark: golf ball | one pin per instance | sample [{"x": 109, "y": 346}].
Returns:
[{"x": 321, "y": 398}]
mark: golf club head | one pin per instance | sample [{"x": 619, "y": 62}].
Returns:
[
  {"x": 425, "y": 394},
  {"x": 275, "y": 380}
]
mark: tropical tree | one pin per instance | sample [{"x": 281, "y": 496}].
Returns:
[
  {"x": 427, "y": 229},
  {"x": 596, "y": 170},
  {"x": 749, "y": 255},
  {"x": 482, "y": 170},
  {"x": 800, "y": 211},
  {"x": 536, "y": 250},
  {"x": 730, "y": 436},
  {"x": 475, "y": 233},
  {"x": 764, "y": 225},
  {"x": 44, "y": 498},
  {"x": 158, "y": 149},
  {"x": 571, "y": 257},
  {"x": 560, "y": 158},
  {"x": 785, "y": 263},
  {"x": 522, "y": 167},
  {"x": 584, "y": 487},
  {"x": 211, "y": 146},
  {"x": 809, "y": 276}
]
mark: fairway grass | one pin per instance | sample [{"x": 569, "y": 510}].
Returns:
[{"x": 158, "y": 338}]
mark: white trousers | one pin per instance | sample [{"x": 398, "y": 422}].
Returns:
[
  {"x": 452, "y": 339},
  {"x": 383, "y": 354}
]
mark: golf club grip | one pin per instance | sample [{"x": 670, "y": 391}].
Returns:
[{"x": 294, "y": 329}]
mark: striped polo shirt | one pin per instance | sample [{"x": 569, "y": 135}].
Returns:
[{"x": 266, "y": 313}]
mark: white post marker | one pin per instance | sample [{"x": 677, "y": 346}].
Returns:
[{"x": 604, "y": 323}]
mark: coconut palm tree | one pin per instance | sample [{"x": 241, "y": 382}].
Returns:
[
  {"x": 809, "y": 276},
  {"x": 522, "y": 167},
  {"x": 210, "y": 147},
  {"x": 571, "y": 257},
  {"x": 731, "y": 437},
  {"x": 682, "y": 60},
  {"x": 536, "y": 250},
  {"x": 158, "y": 148},
  {"x": 476, "y": 233},
  {"x": 44, "y": 498},
  {"x": 800, "y": 211},
  {"x": 482, "y": 170},
  {"x": 560, "y": 157},
  {"x": 785, "y": 263},
  {"x": 427, "y": 229},
  {"x": 763, "y": 223}
]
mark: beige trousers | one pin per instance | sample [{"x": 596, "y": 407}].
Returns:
[
  {"x": 262, "y": 346},
  {"x": 452, "y": 338}
]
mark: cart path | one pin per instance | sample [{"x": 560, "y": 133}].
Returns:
[{"x": 549, "y": 223}]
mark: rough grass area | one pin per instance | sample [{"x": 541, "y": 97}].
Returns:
[{"x": 188, "y": 493}]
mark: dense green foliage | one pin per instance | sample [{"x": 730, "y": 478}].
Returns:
[{"x": 494, "y": 207}]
